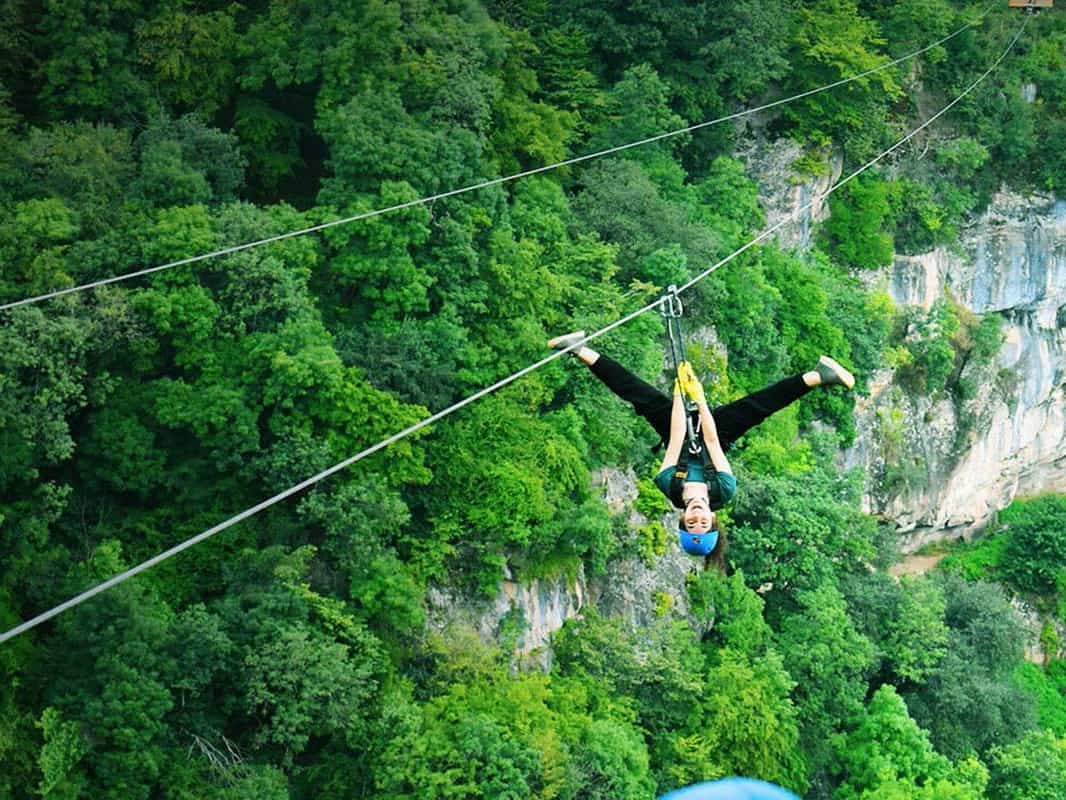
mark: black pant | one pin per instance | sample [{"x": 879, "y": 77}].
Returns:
[{"x": 733, "y": 420}]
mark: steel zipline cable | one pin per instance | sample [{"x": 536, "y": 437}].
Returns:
[
  {"x": 117, "y": 579},
  {"x": 474, "y": 187}
]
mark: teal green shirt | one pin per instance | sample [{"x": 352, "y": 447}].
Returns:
[{"x": 721, "y": 486}]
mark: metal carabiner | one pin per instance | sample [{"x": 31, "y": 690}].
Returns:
[
  {"x": 670, "y": 304},
  {"x": 693, "y": 429}
]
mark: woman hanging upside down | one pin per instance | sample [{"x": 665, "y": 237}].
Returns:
[{"x": 699, "y": 484}]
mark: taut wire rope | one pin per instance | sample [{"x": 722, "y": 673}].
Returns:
[
  {"x": 113, "y": 581},
  {"x": 473, "y": 187}
]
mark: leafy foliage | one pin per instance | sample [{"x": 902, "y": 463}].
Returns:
[
  {"x": 1035, "y": 554},
  {"x": 1033, "y": 768},
  {"x": 969, "y": 702},
  {"x": 855, "y": 230},
  {"x": 306, "y": 652},
  {"x": 799, "y": 531},
  {"x": 1046, "y": 688}
]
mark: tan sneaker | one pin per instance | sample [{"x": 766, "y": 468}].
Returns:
[
  {"x": 574, "y": 340},
  {"x": 831, "y": 372}
]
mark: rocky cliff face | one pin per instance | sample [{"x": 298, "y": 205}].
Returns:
[
  {"x": 783, "y": 194},
  {"x": 966, "y": 463},
  {"x": 632, "y": 589}
]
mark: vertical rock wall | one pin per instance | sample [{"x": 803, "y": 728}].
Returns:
[{"x": 1011, "y": 262}]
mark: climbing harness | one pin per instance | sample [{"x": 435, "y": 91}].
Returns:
[
  {"x": 696, "y": 544},
  {"x": 672, "y": 310}
]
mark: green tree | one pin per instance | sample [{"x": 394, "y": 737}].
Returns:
[
  {"x": 904, "y": 620},
  {"x": 300, "y": 684},
  {"x": 190, "y": 56},
  {"x": 528, "y": 132},
  {"x": 749, "y": 721},
  {"x": 622, "y": 204},
  {"x": 185, "y": 162},
  {"x": 456, "y": 754},
  {"x": 611, "y": 761},
  {"x": 16, "y": 46},
  {"x": 88, "y": 167},
  {"x": 658, "y": 674},
  {"x": 969, "y": 700},
  {"x": 270, "y": 143},
  {"x": 115, "y": 687},
  {"x": 813, "y": 319},
  {"x": 917, "y": 636},
  {"x": 514, "y": 479},
  {"x": 1042, "y": 685},
  {"x": 64, "y": 746},
  {"x": 727, "y": 201},
  {"x": 567, "y": 70},
  {"x": 911, "y": 24},
  {"x": 20, "y": 744},
  {"x": 886, "y": 746},
  {"x": 42, "y": 383},
  {"x": 302, "y": 668},
  {"x": 831, "y": 41},
  {"x": 856, "y": 229},
  {"x": 796, "y": 531},
  {"x": 735, "y": 611},
  {"x": 89, "y": 70},
  {"x": 32, "y": 246},
  {"x": 373, "y": 263},
  {"x": 364, "y": 522},
  {"x": 638, "y": 108},
  {"x": 1033, "y": 768},
  {"x": 928, "y": 338},
  {"x": 1036, "y": 552},
  {"x": 749, "y": 724},
  {"x": 1047, "y": 70},
  {"x": 829, "y": 661},
  {"x": 747, "y": 46}
]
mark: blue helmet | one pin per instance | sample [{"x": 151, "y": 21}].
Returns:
[{"x": 697, "y": 544}]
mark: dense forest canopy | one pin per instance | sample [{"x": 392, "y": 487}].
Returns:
[{"x": 290, "y": 657}]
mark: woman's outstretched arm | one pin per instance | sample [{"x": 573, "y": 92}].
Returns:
[
  {"x": 677, "y": 431},
  {"x": 711, "y": 440},
  {"x": 691, "y": 385}
]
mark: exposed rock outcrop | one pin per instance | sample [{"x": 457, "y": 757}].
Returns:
[
  {"x": 633, "y": 590},
  {"x": 1011, "y": 439},
  {"x": 783, "y": 194}
]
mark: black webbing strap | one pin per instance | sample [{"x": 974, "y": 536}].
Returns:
[{"x": 672, "y": 310}]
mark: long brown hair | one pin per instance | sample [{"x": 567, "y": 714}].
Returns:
[{"x": 716, "y": 558}]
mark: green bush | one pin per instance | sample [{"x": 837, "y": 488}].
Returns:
[
  {"x": 1036, "y": 553},
  {"x": 979, "y": 560},
  {"x": 927, "y": 337},
  {"x": 1048, "y": 694}
]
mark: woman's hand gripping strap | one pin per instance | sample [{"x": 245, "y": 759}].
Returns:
[{"x": 690, "y": 384}]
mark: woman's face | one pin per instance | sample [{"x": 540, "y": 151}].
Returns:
[{"x": 697, "y": 516}]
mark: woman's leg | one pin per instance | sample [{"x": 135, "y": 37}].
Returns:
[
  {"x": 646, "y": 400},
  {"x": 737, "y": 418}
]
